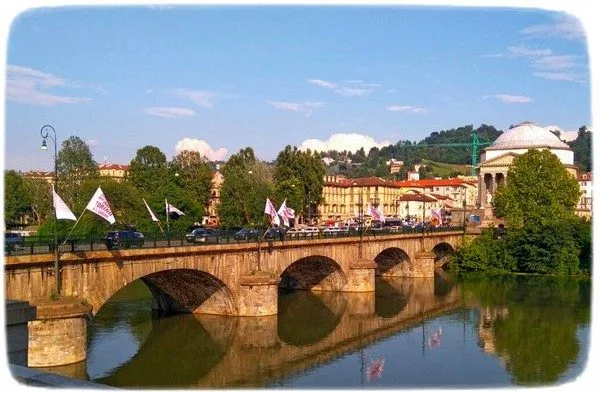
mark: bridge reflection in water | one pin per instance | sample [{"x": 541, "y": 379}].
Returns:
[{"x": 312, "y": 328}]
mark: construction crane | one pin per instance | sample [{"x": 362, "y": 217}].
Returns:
[{"x": 474, "y": 147}]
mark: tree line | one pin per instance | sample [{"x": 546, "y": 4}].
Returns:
[{"x": 185, "y": 182}]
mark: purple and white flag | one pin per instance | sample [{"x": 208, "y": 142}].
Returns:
[
  {"x": 270, "y": 210},
  {"x": 376, "y": 213},
  {"x": 286, "y": 213},
  {"x": 61, "y": 209},
  {"x": 172, "y": 209},
  {"x": 99, "y": 205}
]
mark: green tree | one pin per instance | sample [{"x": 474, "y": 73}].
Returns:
[
  {"x": 74, "y": 166},
  {"x": 304, "y": 169},
  {"x": 537, "y": 202},
  {"x": 582, "y": 149},
  {"x": 40, "y": 198},
  {"x": 17, "y": 200},
  {"x": 194, "y": 174},
  {"x": 148, "y": 170},
  {"x": 244, "y": 191}
]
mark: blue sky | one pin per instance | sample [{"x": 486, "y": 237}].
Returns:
[{"x": 218, "y": 79}]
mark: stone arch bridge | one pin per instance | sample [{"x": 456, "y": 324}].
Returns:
[{"x": 231, "y": 279}]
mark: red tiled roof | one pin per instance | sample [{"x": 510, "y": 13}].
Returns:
[
  {"x": 416, "y": 197},
  {"x": 440, "y": 197},
  {"x": 114, "y": 166},
  {"x": 584, "y": 176},
  {"x": 455, "y": 182}
]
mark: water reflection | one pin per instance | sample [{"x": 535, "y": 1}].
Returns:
[{"x": 513, "y": 330}]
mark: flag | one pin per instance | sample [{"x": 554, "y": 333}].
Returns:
[
  {"x": 376, "y": 213},
  {"x": 61, "y": 209},
  {"x": 286, "y": 213},
  {"x": 172, "y": 209},
  {"x": 270, "y": 210},
  {"x": 99, "y": 205},
  {"x": 150, "y": 211},
  {"x": 437, "y": 215},
  {"x": 375, "y": 369}
]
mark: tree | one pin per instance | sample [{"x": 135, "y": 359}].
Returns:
[
  {"x": 244, "y": 191},
  {"x": 538, "y": 188},
  {"x": 303, "y": 168},
  {"x": 148, "y": 170},
  {"x": 194, "y": 175},
  {"x": 17, "y": 199},
  {"x": 74, "y": 165},
  {"x": 582, "y": 149},
  {"x": 39, "y": 197},
  {"x": 538, "y": 202}
]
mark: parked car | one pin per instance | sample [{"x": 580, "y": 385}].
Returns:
[
  {"x": 123, "y": 239},
  {"x": 12, "y": 241},
  {"x": 275, "y": 233},
  {"x": 246, "y": 234},
  {"x": 311, "y": 231},
  {"x": 201, "y": 235},
  {"x": 294, "y": 233}
]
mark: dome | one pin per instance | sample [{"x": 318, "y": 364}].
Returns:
[{"x": 527, "y": 135}]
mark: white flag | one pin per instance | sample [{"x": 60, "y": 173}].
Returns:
[
  {"x": 172, "y": 209},
  {"x": 286, "y": 213},
  {"x": 150, "y": 211},
  {"x": 376, "y": 213},
  {"x": 99, "y": 205},
  {"x": 61, "y": 209},
  {"x": 270, "y": 210}
]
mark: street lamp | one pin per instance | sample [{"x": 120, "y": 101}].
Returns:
[
  {"x": 45, "y": 135},
  {"x": 360, "y": 220}
]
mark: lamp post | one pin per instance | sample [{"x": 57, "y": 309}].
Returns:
[
  {"x": 423, "y": 225},
  {"x": 45, "y": 135},
  {"x": 464, "y": 206},
  {"x": 360, "y": 220}
]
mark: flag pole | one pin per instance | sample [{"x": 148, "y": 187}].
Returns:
[
  {"x": 167, "y": 210},
  {"x": 76, "y": 222}
]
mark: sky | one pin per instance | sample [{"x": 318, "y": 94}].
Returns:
[{"x": 216, "y": 79}]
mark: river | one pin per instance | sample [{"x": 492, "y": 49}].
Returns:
[{"x": 472, "y": 332}]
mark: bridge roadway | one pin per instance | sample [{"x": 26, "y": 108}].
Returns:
[
  {"x": 251, "y": 352},
  {"x": 231, "y": 279}
]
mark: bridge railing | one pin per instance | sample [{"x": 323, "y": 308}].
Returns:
[{"x": 45, "y": 245}]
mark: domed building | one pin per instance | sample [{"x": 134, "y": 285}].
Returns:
[{"x": 496, "y": 159}]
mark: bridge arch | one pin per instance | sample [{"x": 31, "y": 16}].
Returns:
[
  {"x": 189, "y": 290},
  {"x": 317, "y": 273},
  {"x": 442, "y": 252},
  {"x": 393, "y": 262}
]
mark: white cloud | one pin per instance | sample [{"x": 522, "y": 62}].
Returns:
[
  {"x": 555, "y": 62},
  {"x": 561, "y": 76},
  {"x": 305, "y": 107},
  {"x": 170, "y": 112},
  {"x": 198, "y": 97},
  {"x": 519, "y": 51},
  {"x": 349, "y": 88},
  {"x": 92, "y": 142},
  {"x": 201, "y": 147},
  {"x": 406, "y": 108},
  {"x": 567, "y": 136},
  {"x": 565, "y": 27},
  {"x": 351, "y": 142},
  {"x": 511, "y": 99},
  {"x": 25, "y": 84}
]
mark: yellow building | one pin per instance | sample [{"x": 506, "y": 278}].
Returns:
[{"x": 116, "y": 172}]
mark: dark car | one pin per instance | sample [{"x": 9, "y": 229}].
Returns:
[
  {"x": 123, "y": 239},
  {"x": 201, "y": 235},
  {"x": 246, "y": 234},
  {"x": 275, "y": 233},
  {"x": 12, "y": 241}
]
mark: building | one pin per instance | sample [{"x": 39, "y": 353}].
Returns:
[
  {"x": 584, "y": 206},
  {"x": 211, "y": 219},
  {"x": 345, "y": 199},
  {"x": 395, "y": 165},
  {"x": 496, "y": 159},
  {"x": 116, "y": 172},
  {"x": 47, "y": 176}
]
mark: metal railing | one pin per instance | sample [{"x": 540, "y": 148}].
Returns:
[{"x": 45, "y": 245}]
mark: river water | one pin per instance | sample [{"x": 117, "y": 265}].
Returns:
[{"x": 411, "y": 333}]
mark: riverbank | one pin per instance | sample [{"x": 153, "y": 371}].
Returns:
[{"x": 32, "y": 377}]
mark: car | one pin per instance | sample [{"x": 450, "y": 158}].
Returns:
[
  {"x": 201, "y": 235},
  {"x": 310, "y": 231},
  {"x": 293, "y": 233},
  {"x": 123, "y": 239},
  {"x": 331, "y": 231},
  {"x": 246, "y": 234},
  {"x": 12, "y": 241},
  {"x": 275, "y": 233}
]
